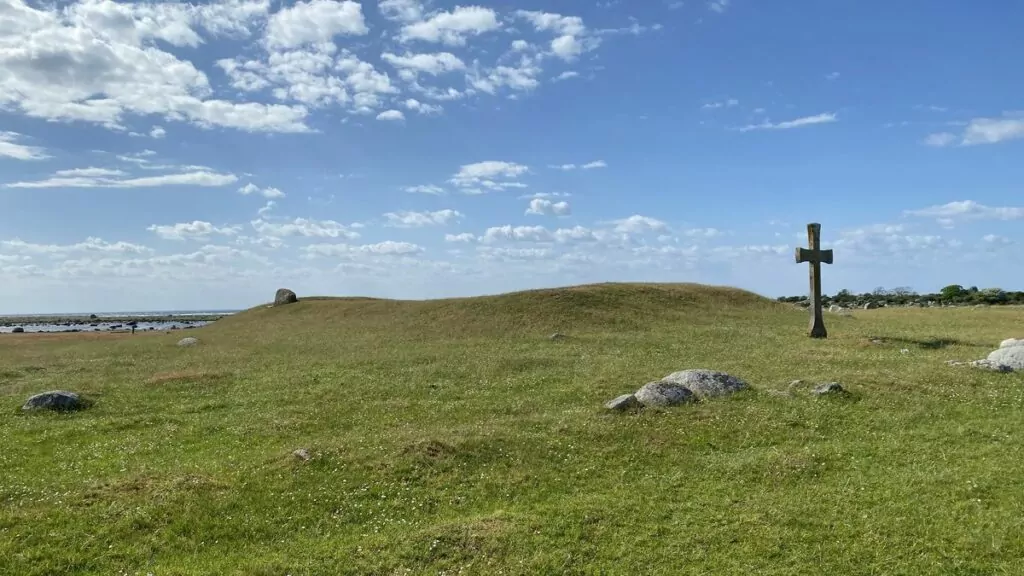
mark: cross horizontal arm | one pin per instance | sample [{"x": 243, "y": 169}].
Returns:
[{"x": 808, "y": 255}]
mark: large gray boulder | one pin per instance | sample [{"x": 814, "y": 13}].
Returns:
[
  {"x": 285, "y": 296},
  {"x": 664, "y": 394},
  {"x": 186, "y": 342},
  {"x": 58, "y": 400},
  {"x": 706, "y": 383},
  {"x": 1012, "y": 356},
  {"x": 1011, "y": 342}
]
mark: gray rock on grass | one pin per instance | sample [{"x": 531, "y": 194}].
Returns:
[
  {"x": 285, "y": 296},
  {"x": 57, "y": 400},
  {"x": 187, "y": 342},
  {"x": 661, "y": 393},
  {"x": 623, "y": 403},
  {"x": 1012, "y": 356},
  {"x": 987, "y": 364},
  {"x": 1011, "y": 342},
  {"x": 828, "y": 388},
  {"x": 707, "y": 383}
]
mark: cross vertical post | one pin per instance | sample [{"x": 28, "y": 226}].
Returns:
[{"x": 815, "y": 256}]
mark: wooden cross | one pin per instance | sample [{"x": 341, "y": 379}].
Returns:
[{"x": 815, "y": 255}]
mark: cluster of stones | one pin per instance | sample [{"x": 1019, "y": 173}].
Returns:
[{"x": 677, "y": 388}]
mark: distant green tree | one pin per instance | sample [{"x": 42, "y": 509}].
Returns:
[{"x": 953, "y": 292}]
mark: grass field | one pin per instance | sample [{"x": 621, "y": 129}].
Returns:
[{"x": 453, "y": 437}]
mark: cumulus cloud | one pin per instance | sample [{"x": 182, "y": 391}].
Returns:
[
  {"x": 401, "y": 10},
  {"x": 195, "y": 230},
  {"x": 314, "y": 21},
  {"x": 637, "y": 224},
  {"x": 97, "y": 61},
  {"x": 489, "y": 175},
  {"x": 268, "y": 192},
  {"x": 423, "y": 108},
  {"x": 306, "y": 228},
  {"x": 409, "y": 219},
  {"x": 982, "y": 131},
  {"x": 410, "y": 65},
  {"x": 571, "y": 36},
  {"x": 452, "y": 28},
  {"x": 391, "y": 115},
  {"x": 542, "y": 207}
]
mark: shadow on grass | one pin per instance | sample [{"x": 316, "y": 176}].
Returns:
[{"x": 924, "y": 343}]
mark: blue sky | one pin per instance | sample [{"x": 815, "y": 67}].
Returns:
[{"x": 170, "y": 156}]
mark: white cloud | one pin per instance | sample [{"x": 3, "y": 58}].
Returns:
[
  {"x": 522, "y": 77},
  {"x": 566, "y": 75},
  {"x": 997, "y": 240},
  {"x": 266, "y": 208},
  {"x": 702, "y": 232},
  {"x": 401, "y": 10},
  {"x": 314, "y": 21},
  {"x": 410, "y": 219},
  {"x": 452, "y": 28},
  {"x": 306, "y": 228},
  {"x": 969, "y": 210},
  {"x": 423, "y": 108},
  {"x": 520, "y": 46},
  {"x": 391, "y": 115},
  {"x": 409, "y": 65},
  {"x": 203, "y": 178},
  {"x": 91, "y": 244},
  {"x": 940, "y": 140},
  {"x": 832, "y": 76},
  {"x": 464, "y": 237},
  {"x": 10, "y": 149},
  {"x": 797, "y": 123},
  {"x": 473, "y": 178},
  {"x": 571, "y": 36},
  {"x": 157, "y": 132},
  {"x": 516, "y": 233},
  {"x": 637, "y": 224},
  {"x": 425, "y": 189},
  {"x": 980, "y": 131},
  {"x": 97, "y": 61},
  {"x": 195, "y": 230},
  {"x": 993, "y": 130},
  {"x": 89, "y": 172},
  {"x": 386, "y": 248},
  {"x": 542, "y": 207},
  {"x": 719, "y": 6},
  {"x": 269, "y": 192},
  {"x": 587, "y": 166}
]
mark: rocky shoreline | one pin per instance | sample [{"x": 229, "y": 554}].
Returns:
[{"x": 95, "y": 323}]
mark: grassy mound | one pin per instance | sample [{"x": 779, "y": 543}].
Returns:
[
  {"x": 453, "y": 436},
  {"x": 577, "y": 308}
]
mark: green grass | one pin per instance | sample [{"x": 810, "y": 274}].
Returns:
[{"x": 453, "y": 437}]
